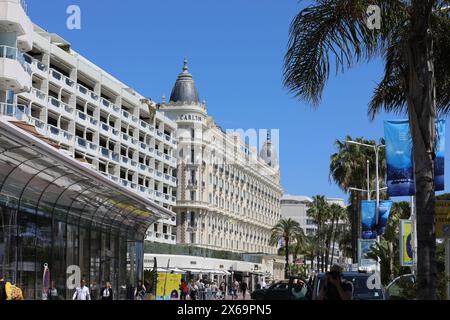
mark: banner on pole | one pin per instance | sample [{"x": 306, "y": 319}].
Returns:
[
  {"x": 406, "y": 243},
  {"x": 442, "y": 219},
  {"x": 399, "y": 160},
  {"x": 400, "y": 172},
  {"x": 439, "y": 161},
  {"x": 384, "y": 211},
  {"x": 364, "y": 249},
  {"x": 368, "y": 219}
]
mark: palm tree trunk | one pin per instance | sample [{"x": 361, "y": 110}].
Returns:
[
  {"x": 421, "y": 97},
  {"x": 286, "y": 266},
  {"x": 335, "y": 226}
]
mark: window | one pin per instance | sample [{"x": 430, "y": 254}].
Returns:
[
  {"x": 193, "y": 195},
  {"x": 155, "y": 227}
]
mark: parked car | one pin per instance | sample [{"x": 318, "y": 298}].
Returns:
[
  {"x": 296, "y": 288},
  {"x": 398, "y": 288},
  {"x": 362, "y": 289}
]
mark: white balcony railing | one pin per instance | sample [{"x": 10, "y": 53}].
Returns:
[{"x": 14, "y": 54}]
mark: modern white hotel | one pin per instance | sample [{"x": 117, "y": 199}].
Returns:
[{"x": 86, "y": 164}]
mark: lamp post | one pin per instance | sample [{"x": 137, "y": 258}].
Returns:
[{"x": 376, "y": 148}]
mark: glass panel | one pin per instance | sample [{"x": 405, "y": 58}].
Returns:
[{"x": 72, "y": 251}]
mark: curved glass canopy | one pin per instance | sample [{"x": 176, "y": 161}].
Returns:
[{"x": 39, "y": 178}]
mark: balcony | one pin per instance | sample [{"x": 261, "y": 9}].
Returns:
[
  {"x": 53, "y": 133},
  {"x": 36, "y": 66},
  {"x": 39, "y": 96},
  {"x": 66, "y": 137},
  {"x": 158, "y": 174},
  {"x": 125, "y": 161},
  {"x": 125, "y": 138},
  {"x": 82, "y": 118},
  {"x": 92, "y": 148},
  {"x": 134, "y": 164},
  {"x": 67, "y": 110},
  {"x": 38, "y": 124},
  {"x": 143, "y": 147},
  {"x": 15, "y": 72},
  {"x": 143, "y": 125},
  {"x": 93, "y": 123},
  {"x": 160, "y": 135},
  {"x": 87, "y": 94},
  {"x": 20, "y": 112},
  {"x": 81, "y": 143},
  {"x": 126, "y": 115},
  {"x": 105, "y": 105},
  {"x": 105, "y": 129},
  {"x": 62, "y": 80},
  {"x": 115, "y": 133}
]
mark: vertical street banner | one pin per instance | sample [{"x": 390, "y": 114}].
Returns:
[
  {"x": 384, "y": 211},
  {"x": 442, "y": 219},
  {"x": 439, "y": 161},
  {"x": 406, "y": 243},
  {"x": 399, "y": 160},
  {"x": 168, "y": 287},
  {"x": 368, "y": 219},
  {"x": 364, "y": 249},
  {"x": 400, "y": 171}
]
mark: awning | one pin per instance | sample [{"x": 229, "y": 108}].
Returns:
[{"x": 37, "y": 178}]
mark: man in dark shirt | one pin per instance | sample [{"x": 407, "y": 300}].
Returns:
[
  {"x": 2, "y": 289},
  {"x": 335, "y": 287}
]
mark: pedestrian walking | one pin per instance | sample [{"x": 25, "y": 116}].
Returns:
[
  {"x": 234, "y": 289},
  {"x": 244, "y": 289},
  {"x": 94, "y": 290},
  {"x": 184, "y": 291},
  {"x": 107, "y": 292},
  {"x": 193, "y": 291},
  {"x": 3, "y": 295},
  {"x": 82, "y": 292},
  {"x": 53, "y": 292},
  {"x": 139, "y": 293}
]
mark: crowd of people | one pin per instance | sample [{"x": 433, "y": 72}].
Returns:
[{"x": 204, "y": 289}]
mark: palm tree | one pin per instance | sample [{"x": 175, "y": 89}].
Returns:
[
  {"x": 348, "y": 169},
  {"x": 414, "y": 41},
  {"x": 338, "y": 215},
  {"x": 285, "y": 230},
  {"x": 319, "y": 211}
]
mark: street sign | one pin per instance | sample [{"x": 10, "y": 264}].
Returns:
[{"x": 442, "y": 218}]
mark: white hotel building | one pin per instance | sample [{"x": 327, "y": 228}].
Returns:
[
  {"x": 83, "y": 110},
  {"x": 228, "y": 195}
]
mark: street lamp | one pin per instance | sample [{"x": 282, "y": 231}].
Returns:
[
  {"x": 377, "y": 186},
  {"x": 376, "y": 148}
]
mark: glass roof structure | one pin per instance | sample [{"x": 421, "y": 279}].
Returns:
[{"x": 37, "y": 177}]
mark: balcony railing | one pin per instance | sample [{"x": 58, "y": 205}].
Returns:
[
  {"x": 14, "y": 54},
  {"x": 81, "y": 142},
  {"x": 20, "y": 112},
  {"x": 62, "y": 78}
]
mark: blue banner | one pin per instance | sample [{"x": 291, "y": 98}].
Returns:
[
  {"x": 368, "y": 219},
  {"x": 400, "y": 174},
  {"x": 439, "y": 161},
  {"x": 384, "y": 211}
]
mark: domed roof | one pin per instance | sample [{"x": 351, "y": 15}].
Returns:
[
  {"x": 268, "y": 153},
  {"x": 184, "y": 89}
]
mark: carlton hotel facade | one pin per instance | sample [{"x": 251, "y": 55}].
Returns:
[{"x": 89, "y": 167}]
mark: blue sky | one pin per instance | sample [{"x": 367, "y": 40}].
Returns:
[{"x": 235, "y": 50}]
